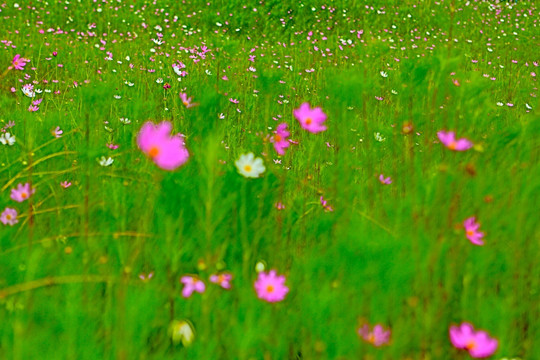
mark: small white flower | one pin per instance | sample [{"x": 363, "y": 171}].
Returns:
[
  {"x": 221, "y": 116},
  {"x": 259, "y": 267},
  {"x": 103, "y": 161},
  {"x": 394, "y": 92},
  {"x": 48, "y": 90},
  {"x": 28, "y": 91},
  {"x": 528, "y": 106},
  {"x": 208, "y": 72},
  {"x": 157, "y": 42},
  {"x": 384, "y": 74},
  {"x": 500, "y": 104},
  {"x": 7, "y": 139},
  {"x": 249, "y": 166},
  {"x": 117, "y": 97},
  {"x": 125, "y": 121},
  {"x": 379, "y": 137},
  {"x": 38, "y": 91},
  {"x": 128, "y": 58},
  {"x": 159, "y": 80}
]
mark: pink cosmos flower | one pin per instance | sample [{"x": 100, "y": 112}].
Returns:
[
  {"x": 325, "y": 205},
  {"x": 280, "y": 139},
  {"x": 477, "y": 343},
  {"x": 385, "y": 181},
  {"x": 471, "y": 230},
  {"x": 146, "y": 277},
  {"x": 310, "y": 119},
  {"x": 19, "y": 63},
  {"x": 187, "y": 101},
  {"x": 65, "y": 184},
  {"x": 9, "y": 217},
  {"x": 191, "y": 284},
  {"x": 376, "y": 336},
  {"x": 168, "y": 152},
  {"x": 223, "y": 280},
  {"x": 449, "y": 140},
  {"x": 270, "y": 287},
  {"x": 57, "y": 132},
  {"x": 22, "y": 192}
]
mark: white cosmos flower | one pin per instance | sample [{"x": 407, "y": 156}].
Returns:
[
  {"x": 103, "y": 161},
  {"x": 28, "y": 91},
  {"x": 7, "y": 139},
  {"x": 384, "y": 74},
  {"x": 249, "y": 166}
]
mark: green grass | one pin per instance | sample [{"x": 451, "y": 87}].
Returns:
[{"x": 391, "y": 254}]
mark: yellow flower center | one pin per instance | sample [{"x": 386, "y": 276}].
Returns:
[
  {"x": 277, "y": 138},
  {"x": 452, "y": 145},
  {"x": 185, "y": 103},
  {"x": 371, "y": 338},
  {"x": 247, "y": 168},
  {"x": 8, "y": 217},
  {"x": 154, "y": 151},
  {"x": 270, "y": 289},
  {"x": 470, "y": 232},
  {"x": 470, "y": 345},
  {"x": 24, "y": 195},
  {"x": 308, "y": 121}
]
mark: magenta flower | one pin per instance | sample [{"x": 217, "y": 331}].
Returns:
[
  {"x": 187, "y": 101},
  {"x": 168, "y": 152},
  {"x": 65, "y": 184},
  {"x": 9, "y": 217},
  {"x": 191, "y": 284},
  {"x": 22, "y": 192},
  {"x": 310, "y": 119},
  {"x": 477, "y": 343},
  {"x": 325, "y": 205},
  {"x": 57, "y": 132},
  {"x": 385, "y": 181},
  {"x": 449, "y": 140},
  {"x": 280, "y": 139},
  {"x": 376, "y": 336},
  {"x": 146, "y": 277},
  {"x": 19, "y": 63},
  {"x": 223, "y": 280},
  {"x": 471, "y": 229},
  {"x": 270, "y": 287}
]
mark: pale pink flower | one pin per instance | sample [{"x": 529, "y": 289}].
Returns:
[
  {"x": 478, "y": 343},
  {"x": 325, "y": 205},
  {"x": 146, "y": 277},
  {"x": 19, "y": 63},
  {"x": 223, "y": 280},
  {"x": 191, "y": 284},
  {"x": 9, "y": 217},
  {"x": 280, "y": 139},
  {"x": 385, "y": 181},
  {"x": 271, "y": 287},
  {"x": 471, "y": 230},
  {"x": 449, "y": 140},
  {"x": 57, "y": 132},
  {"x": 376, "y": 336},
  {"x": 310, "y": 119},
  {"x": 22, "y": 192},
  {"x": 65, "y": 184},
  {"x": 166, "y": 151},
  {"x": 187, "y": 101}
]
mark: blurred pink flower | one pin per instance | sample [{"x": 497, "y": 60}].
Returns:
[
  {"x": 310, "y": 119},
  {"x": 19, "y": 63},
  {"x": 22, "y": 192},
  {"x": 9, "y": 217},
  {"x": 280, "y": 139},
  {"x": 191, "y": 284},
  {"x": 325, "y": 205},
  {"x": 166, "y": 151},
  {"x": 471, "y": 230},
  {"x": 187, "y": 101},
  {"x": 270, "y": 287},
  {"x": 65, "y": 184},
  {"x": 385, "y": 181},
  {"x": 146, "y": 277},
  {"x": 223, "y": 280},
  {"x": 449, "y": 140},
  {"x": 477, "y": 343},
  {"x": 57, "y": 132},
  {"x": 376, "y": 336}
]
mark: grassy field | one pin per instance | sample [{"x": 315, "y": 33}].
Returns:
[{"x": 95, "y": 252}]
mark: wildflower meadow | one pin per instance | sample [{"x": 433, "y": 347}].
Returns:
[{"x": 324, "y": 179}]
